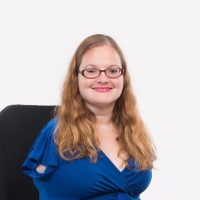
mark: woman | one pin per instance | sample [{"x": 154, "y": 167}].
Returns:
[{"x": 96, "y": 147}]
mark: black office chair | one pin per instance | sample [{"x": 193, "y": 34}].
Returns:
[{"x": 19, "y": 126}]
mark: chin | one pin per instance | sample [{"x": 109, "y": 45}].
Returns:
[{"x": 101, "y": 104}]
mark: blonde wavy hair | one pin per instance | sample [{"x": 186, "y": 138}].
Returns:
[{"x": 75, "y": 131}]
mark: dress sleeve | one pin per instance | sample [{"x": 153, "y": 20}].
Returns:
[{"x": 43, "y": 152}]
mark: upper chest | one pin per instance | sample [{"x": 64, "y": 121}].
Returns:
[
  {"x": 82, "y": 178},
  {"x": 109, "y": 144}
]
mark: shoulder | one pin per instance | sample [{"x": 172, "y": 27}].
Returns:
[
  {"x": 49, "y": 128},
  {"x": 43, "y": 152}
]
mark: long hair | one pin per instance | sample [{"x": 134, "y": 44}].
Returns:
[{"x": 75, "y": 131}]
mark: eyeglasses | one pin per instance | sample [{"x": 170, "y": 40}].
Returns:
[{"x": 94, "y": 72}]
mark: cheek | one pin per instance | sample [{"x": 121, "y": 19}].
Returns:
[
  {"x": 80, "y": 85},
  {"x": 120, "y": 84},
  {"x": 83, "y": 85}
]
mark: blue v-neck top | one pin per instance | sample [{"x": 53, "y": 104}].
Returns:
[{"x": 80, "y": 179}]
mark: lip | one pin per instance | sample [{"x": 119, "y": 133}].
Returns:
[{"x": 102, "y": 89}]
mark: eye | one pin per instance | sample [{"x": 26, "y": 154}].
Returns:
[
  {"x": 91, "y": 70},
  {"x": 113, "y": 70}
]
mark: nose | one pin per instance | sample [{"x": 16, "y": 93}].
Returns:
[{"x": 102, "y": 78}]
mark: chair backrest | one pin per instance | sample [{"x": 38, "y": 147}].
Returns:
[{"x": 19, "y": 126}]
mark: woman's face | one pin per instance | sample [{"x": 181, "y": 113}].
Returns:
[{"x": 101, "y": 91}]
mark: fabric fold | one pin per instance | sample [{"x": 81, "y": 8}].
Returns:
[{"x": 43, "y": 152}]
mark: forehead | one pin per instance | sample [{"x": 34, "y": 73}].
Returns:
[{"x": 101, "y": 56}]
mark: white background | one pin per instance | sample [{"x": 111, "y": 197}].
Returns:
[{"x": 161, "y": 42}]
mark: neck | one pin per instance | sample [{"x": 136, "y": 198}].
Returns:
[{"x": 103, "y": 114}]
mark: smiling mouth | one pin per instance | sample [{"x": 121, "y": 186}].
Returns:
[{"x": 102, "y": 89}]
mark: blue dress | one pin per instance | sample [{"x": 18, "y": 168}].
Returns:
[{"x": 80, "y": 179}]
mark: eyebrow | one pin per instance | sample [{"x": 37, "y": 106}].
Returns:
[{"x": 94, "y": 66}]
